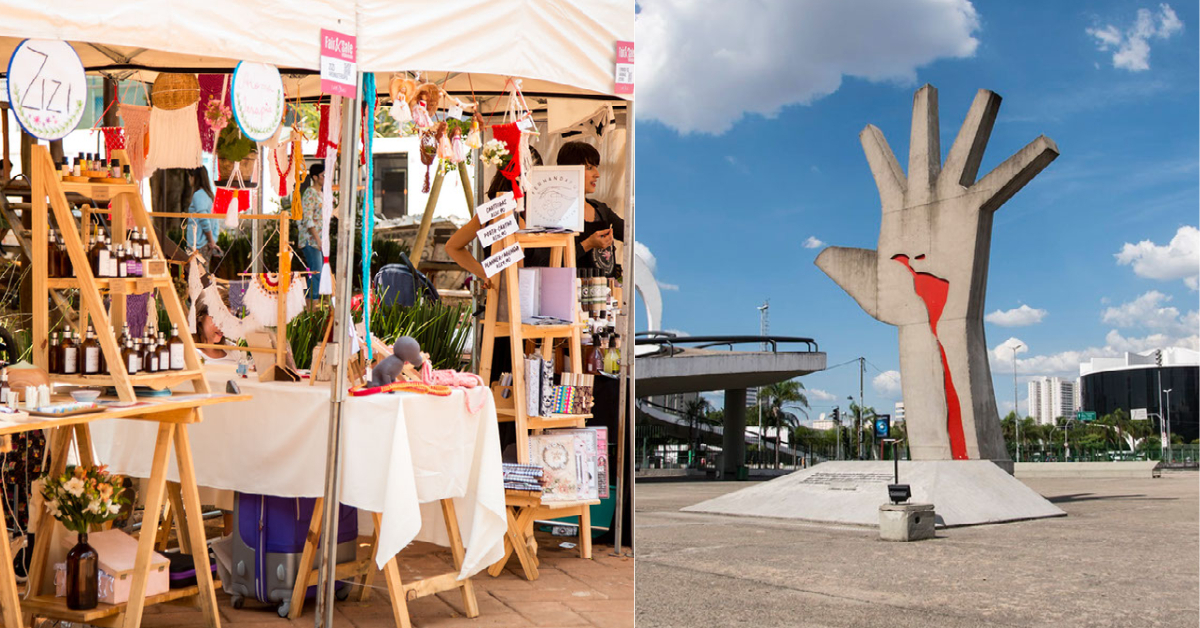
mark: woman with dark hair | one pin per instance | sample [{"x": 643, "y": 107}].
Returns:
[
  {"x": 208, "y": 333},
  {"x": 310, "y": 235},
  {"x": 201, "y": 233},
  {"x": 594, "y": 247}
]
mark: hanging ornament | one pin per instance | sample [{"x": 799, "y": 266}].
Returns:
[
  {"x": 473, "y": 138},
  {"x": 420, "y": 116},
  {"x": 457, "y": 148},
  {"x": 444, "y": 149},
  {"x": 400, "y": 112},
  {"x": 429, "y": 147},
  {"x": 261, "y": 299}
]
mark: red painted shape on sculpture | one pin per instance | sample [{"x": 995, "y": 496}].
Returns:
[{"x": 933, "y": 291}]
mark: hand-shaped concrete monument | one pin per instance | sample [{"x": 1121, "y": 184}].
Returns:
[{"x": 928, "y": 276}]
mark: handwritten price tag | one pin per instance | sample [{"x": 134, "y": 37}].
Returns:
[
  {"x": 495, "y": 208},
  {"x": 503, "y": 259},
  {"x": 498, "y": 231}
]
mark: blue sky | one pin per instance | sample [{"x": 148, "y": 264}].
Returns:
[{"x": 747, "y": 147}]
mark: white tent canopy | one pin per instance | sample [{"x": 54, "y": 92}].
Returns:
[{"x": 559, "y": 47}]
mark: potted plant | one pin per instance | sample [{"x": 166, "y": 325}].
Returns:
[
  {"x": 232, "y": 148},
  {"x": 80, "y": 498}
]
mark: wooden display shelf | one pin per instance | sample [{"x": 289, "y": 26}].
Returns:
[
  {"x": 98, "y": 191},
  {"x": 51, "y": 607},
  {"x": 553, "y": 421},
  {"x": 545, "y": 240},
  {"x": 157, "y": 381},
  {"x": 531, "y": 332},
  {"x": 131, "y": 285}
]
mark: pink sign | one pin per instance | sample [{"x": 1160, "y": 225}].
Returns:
[
  {"x": 624, "y": 71},
  {"x": 339, "y": 54}
]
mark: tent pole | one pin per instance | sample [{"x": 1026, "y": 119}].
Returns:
[
  {"x": 628, "y": 400},
  {"x": 348, "y": 178}
]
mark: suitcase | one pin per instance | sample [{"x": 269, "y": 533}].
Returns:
[{"x": 268, "y": 539}]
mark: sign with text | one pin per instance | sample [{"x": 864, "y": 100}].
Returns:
[
  {"x": 555, "y": 198},
  {"x": 339, "y": 67},
  {"x": 258, "y": 100},
  {"x": 503, "y": 259},
  {"x": 499, "y": 230},
  {"x": 495, "y": 208},
  {"x": 1085, "y": 416},
  {"x": 624, "y": 71},
  {"x": 1138, "y": 414},
  {"x": 46, "y": 88}
]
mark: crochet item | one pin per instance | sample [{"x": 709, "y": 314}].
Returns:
[
  {"x": 114, "y": 138},
  {"x": 510, "y": 134},
  {"x": 136, "y": 124},
  {"x": 414, "y": 387},
  {"x": 232, "y": 326},
  {"x": 174, "y": 139},
  {"x": 261, "y": 299}
]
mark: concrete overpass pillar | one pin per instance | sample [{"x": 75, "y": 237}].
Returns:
[{"x": 734, "y": 443}]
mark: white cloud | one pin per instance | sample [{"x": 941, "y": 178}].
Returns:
[
  {"x": 816, "y": 394},
  {"x": 1131, "y": 48},
  {"x": 704, "y": 65},
  {"x": 1017, "y": 317},
  {"x": 1178, "y": 259},
  {"x": 1066, "y": 363},
  {"x": 1148, "y": 311},
  {"x": 643, "y": 251},
  {"x": 813, "y": 243},
  {"x": 887, "y": 384}
]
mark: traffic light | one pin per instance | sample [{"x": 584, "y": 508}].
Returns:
[{"x": 837, "y": 414}]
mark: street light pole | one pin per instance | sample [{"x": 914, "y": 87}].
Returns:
[
  {"x": 1170, "y": 452},
  {"x": 1016, "y": 411}
]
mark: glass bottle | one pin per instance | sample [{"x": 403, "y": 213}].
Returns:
[
  {"x": 115, "y": 168},
  {"x": 164, "y": 353},
  {"x": 70, "y": 356},
  {"x": 122, "y": 259},
  {"x": 125, "y": 174},
  {"x": 124, "y": 333},
  {"x": 4, "y": 389},
  {"x": 54, "y": 356},
  {"x": 83, "y": 576},
  {"x": 176, "y": 347},
  {"x": 129, "y": 358},
  {"x": 593, "y": 359},
  {"x": 612, "y": 358},
  {"x": 147, "y": 247},
  {"x": 151, "y": 358},
  {"x": 64, "y": 168},
  {"x": 65, "y": 267},
  {"x": 91, "y": 353},
  {"x": 77, "y": 167}
]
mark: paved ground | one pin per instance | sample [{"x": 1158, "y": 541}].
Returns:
[
  {"x": 570, "y": 592},
  {"x": 1126, "y": 555}
]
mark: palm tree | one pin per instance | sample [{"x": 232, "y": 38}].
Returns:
[
  {"x": 864, "y": 416},
  {"x": 777, "y": 396}
]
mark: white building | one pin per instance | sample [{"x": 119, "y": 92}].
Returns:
[
  {"x": 1050, "y": 398},
  {"x": 898, "y": 414}
]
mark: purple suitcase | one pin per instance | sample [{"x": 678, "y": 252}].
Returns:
[{"x": 267, "y": 544}]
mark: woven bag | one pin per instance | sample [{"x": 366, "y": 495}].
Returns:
[{"x": 175, "y": 91}]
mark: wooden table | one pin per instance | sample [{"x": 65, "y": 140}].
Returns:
[
  {"x": 173, "y": 415},
  {"x": 523, "y": 508}
]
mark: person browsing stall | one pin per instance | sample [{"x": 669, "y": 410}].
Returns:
[
  {"x": 201, "y": 233},
  {"x": 310, "y": 234}
]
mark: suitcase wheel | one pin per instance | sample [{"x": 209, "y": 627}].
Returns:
[
  {"x": 342, "y": 592},
  {"x": 237, "y": 601},
  {"x": 284, "y": 609}
]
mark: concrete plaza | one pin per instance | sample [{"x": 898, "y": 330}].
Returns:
[{"x": 1126, "y": 555}]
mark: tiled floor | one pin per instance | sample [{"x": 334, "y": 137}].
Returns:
[{"x": 570, "y": 592}]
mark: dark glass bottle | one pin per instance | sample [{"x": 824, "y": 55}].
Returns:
[
  {"x": 178, "y": 363},
  {"x": 91, "y": 353},
  {"x": 54, "y": 356},
  {"x": 83, "y": 576},
  {"x": 70, "y": 357}
]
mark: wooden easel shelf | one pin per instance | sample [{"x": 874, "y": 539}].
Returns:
[
  {"x": 98, "y": 191},
  {"x": 545, "y": 240},
  {"x": 131, "y": 285},
  {"x": 553, "y": 421},
  {"x": 51, "y": 607},
  {"x": 528, "y": 332},
  {"x": 157, "y": 381}
]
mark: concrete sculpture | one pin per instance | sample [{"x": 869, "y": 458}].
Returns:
[{"x": 928, "y": 276}]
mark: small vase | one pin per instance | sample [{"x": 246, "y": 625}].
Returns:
[{"x": 83, "y": 576}]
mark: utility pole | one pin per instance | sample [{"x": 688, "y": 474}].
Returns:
[
  {"x": 858, "y": 416},
  {"x": 1167, "y": 417},
  {"x": 764, "y": 326},
  {"x": 1016, "y": 412}
]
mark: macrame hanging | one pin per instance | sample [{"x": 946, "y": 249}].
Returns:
[
  {"x": 331, "y": 119},
  {"x": 195, "y": 287},
  {"x": 283, "y": 169},
  {"x": 231, "y": 325},
  {"x": 261, "y": 299},
  {"x": 215, "y": 109},
  {"x": 136, "y": 123},
  {"x": 174, "y": 127},
  {"x": 231, "y": 200}
]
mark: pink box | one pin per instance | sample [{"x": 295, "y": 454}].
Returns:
[{"x": 117, "y": 551}]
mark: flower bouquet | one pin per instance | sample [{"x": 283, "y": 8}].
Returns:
[
  {"x": 495, "y": 153},
  {"x": 80, "y": 498}
]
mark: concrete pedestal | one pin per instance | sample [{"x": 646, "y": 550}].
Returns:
[{"x": 906, "y": 522}]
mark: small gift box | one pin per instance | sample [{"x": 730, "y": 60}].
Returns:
[{"x": 117, "y": 552}]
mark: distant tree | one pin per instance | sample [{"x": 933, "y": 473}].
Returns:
[{"x": 772, "y": 399}]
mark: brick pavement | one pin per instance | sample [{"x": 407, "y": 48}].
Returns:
[{"x": 569, "y": 592}]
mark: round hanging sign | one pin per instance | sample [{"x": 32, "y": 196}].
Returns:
[
  {"x": 47, "y": 88},
  {"x": 258, "y": 100}
]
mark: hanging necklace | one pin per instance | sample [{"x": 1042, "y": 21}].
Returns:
[{"x": 283, "y": 174}]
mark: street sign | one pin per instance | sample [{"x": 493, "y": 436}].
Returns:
[
  {"x": 1138, "y": 414},
  {"x": 1085, "y": 416}
]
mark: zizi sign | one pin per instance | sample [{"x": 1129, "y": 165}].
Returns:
[{"x": 47, "y": 88}]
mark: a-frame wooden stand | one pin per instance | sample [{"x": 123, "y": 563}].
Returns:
[
  {"x": 524, "y": 508},
  {"x": 122, "y": 198}
]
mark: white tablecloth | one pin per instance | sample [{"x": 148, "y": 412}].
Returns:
[{"x": 401, "y": 453}]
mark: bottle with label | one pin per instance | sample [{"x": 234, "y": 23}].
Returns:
[
  {"x": 612, "y": 357},
  {"x": 70, "y": 356},
  {"x": 91, "y": 353},
  {"x": 132, "y": 262},
  {"x": 65, "y": 266},
  {"x": 147, "y": 247},
  {"x": 164, "y": 353},
  {"x": 4, "y": 389},
  {"x": 176, "y": 346},
  {"x": 151, "y": 355},
  {"x": 103, "y": 258},
  {"x": 129, "y": 358},
  {"x": 125, "y": 174},
  {"x": 64, "y": 168},
  {"x": 124, "y": 334},
  {"x": 93, "y": 254},
  {"x": 77, "y": 167},
  {"x": 122, "y": 259},
  {"x": 51, "y": 254},
  {"x": 115, "y": 169},
  {"x": 593, "y": 357}
]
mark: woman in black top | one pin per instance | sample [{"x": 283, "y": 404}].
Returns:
[{"x": 594, "y": 247}]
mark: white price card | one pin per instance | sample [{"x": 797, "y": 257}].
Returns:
[
  {"x": 498, "y": 230},
  {"x": 47, "y": 88},
  {"x": 503, "y": 259},
  {"x": 495, "y": 208}
]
